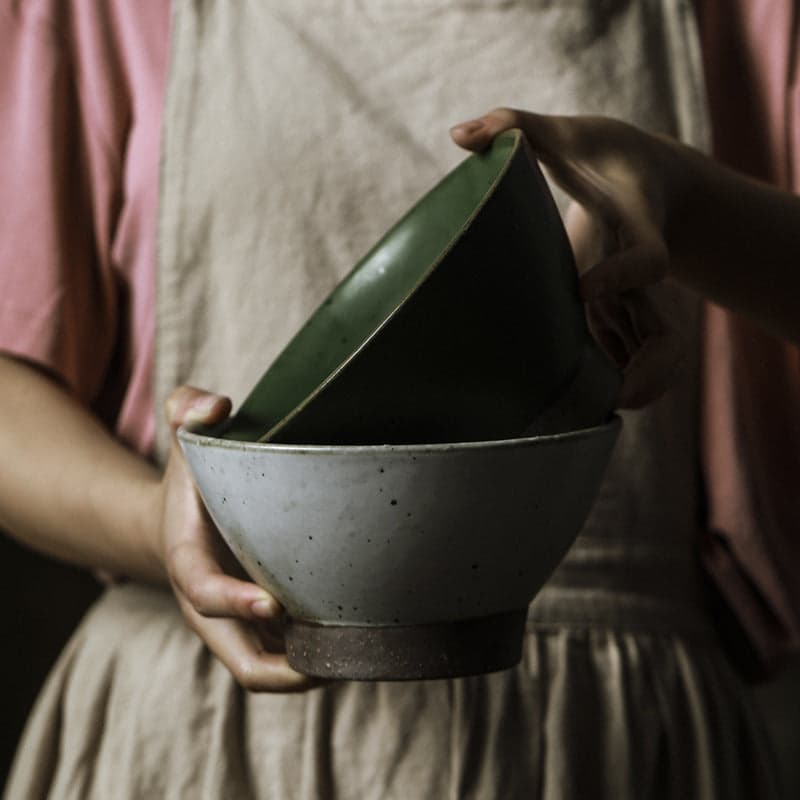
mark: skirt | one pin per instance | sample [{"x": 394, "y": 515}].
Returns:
[{"x": 619, "y": 695}]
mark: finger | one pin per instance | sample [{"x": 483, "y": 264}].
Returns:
[
  {"x": 662, "y": 348},
  {"x": 610, "y": 322},
  {"x": 608, "y": 337},
  {"x": 196, "y": 574},
  {"x": 643, "y": 338},
  {"x": 647, "y": 318},
  {"x": 590, "y": 240},
  {"x": 642, "y": 262},
  {"x": 190, "y": 407},
  {"x": 238, "y": 646},
  {"x": 566, "y": 145},
  {"x": 549, "y": 135},
  {"x": 476, "y": 134},
  {"x": 633, "y": 317},
  {"x": 651, "y": 371}
]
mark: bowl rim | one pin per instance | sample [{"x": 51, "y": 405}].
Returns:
[{"x": 198, "y": 437}]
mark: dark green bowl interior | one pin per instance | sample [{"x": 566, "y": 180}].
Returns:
[{"x": 371, "y": 293}]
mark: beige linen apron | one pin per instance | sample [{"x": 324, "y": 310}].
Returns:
[{"x": 296, "y": 133}]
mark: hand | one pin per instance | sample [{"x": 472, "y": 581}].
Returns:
[
  {"x": 622, "y": 190},
  {"x": 239, "y": 621}
]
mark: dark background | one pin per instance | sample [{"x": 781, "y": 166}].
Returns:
[{"x": 41, "y": 601}]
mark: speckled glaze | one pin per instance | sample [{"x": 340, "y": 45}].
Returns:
[{"x": 401, "y": 535}]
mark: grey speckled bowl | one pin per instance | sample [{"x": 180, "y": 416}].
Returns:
[{"x": 402, "y": 561}]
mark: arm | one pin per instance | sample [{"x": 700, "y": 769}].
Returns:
[
  {"x": 671, "y": 211},
  {"x": 71, "y": 490},
  {"x": 737, "y": 241},
  {"x": 67, "y": 487}
]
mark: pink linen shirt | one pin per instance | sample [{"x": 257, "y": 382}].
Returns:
[
  {"x": 81, "y": 94},
  {"x": 751, "y": 390}
]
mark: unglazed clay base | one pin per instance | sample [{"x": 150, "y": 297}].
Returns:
[{"x": 406, "y": 652}]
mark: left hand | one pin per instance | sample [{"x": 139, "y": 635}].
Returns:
[
  {"x": 239, "y": 622},
  {"x": 619, "y": 179}
]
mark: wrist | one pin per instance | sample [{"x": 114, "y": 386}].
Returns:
[
  {"x": 149, "y": 520},
  {"x": 124, "y": 506}
]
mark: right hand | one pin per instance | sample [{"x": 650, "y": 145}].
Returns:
[
  {"x": 239, "y": 621},
  {"x": 623, "y": 188}
]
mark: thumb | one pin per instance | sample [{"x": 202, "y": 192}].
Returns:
[
  {"x": 192, "y": 407},
  {"x": 567, "y": 146},
  {"x": 548, "y": 135}
]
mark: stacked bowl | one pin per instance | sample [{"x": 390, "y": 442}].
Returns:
[{"x": 415, "y": 463}]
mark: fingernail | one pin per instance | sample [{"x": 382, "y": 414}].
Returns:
[
  {"x": 200, "y": 409},
  {"x": 194, "y": 417},
  {"x": 472, "y": 126},
  {"x": 206, "y": 402},
  {"x": 264, "y": 608}
]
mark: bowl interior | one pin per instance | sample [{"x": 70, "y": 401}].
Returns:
[{"x": 373, "y": 290}]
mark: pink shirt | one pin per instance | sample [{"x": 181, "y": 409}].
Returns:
[
  {"x": 81, "y": 93},
  {"x": 752, "y": 381}
]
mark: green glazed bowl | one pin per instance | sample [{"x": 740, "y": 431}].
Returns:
[{"x": 462, "y": 324}]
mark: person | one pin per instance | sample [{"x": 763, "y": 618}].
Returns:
[{"x": 620, "y": 649}]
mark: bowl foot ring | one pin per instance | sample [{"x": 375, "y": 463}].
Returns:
[{"x": 406, "y": 652}]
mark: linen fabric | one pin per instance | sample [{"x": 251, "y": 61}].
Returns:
[
  {"x": 295, "y": 134},
  {"x": 138, "y": 708}
]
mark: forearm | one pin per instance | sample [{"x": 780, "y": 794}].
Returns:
[
  {"x": 67, "y": 487},
  {"x": 70, "y": 489},
  {"x": 737, "y": 241}
]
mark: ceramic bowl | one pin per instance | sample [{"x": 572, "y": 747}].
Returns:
[
  {"x": 401, "y": 561},
  {"x": 462, "y": 324}
]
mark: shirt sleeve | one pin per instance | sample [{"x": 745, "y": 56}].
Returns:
[
  {"x": 751, "y": 381},
  {"x": 58, "y": 294}
]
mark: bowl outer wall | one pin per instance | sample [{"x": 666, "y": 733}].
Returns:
[{"x": 401, "y": 535}]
